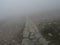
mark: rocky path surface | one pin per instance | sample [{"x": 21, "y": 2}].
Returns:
[{"x": 31, "y": 35}]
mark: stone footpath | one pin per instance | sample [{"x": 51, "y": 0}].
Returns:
[{"x": 31, "y": 35}]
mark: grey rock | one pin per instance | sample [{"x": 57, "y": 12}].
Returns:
[
  {"x": 27, "y": 42},
  {"x": 37, "y": 35}
]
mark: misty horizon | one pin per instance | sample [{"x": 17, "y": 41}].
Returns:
[{"x": 14, "y": 8}]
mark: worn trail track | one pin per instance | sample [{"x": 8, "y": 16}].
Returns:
[{"x": 31, "y": 35}]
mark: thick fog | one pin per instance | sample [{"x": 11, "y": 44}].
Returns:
[{"x": 16, "y": 8}]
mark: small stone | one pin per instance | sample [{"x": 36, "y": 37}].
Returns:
[
  {"x": 6, "y": 40},
  {"x": 50, "y": 34},
  {"x": 34, "y": 40},
  {"x": 32, "y": 37},
  {"x": 55, "y": 23},
  {"x": 31, "y": 33},
  {"x": 49, "y": 23},
  {"x": 43, "y": 27},
  {"x": 18, "y": 44},
  {"x": 37, "y": 35},
  {"x": 16, "y": 26},
  {"x": 59, "y": 34},
  {"x": 13, "y": 40},
  {"x": 43, "y": 41},
  {"x": 27, "y": 42}
]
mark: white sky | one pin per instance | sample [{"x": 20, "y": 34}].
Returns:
[{"x": 22, "y": 7}]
